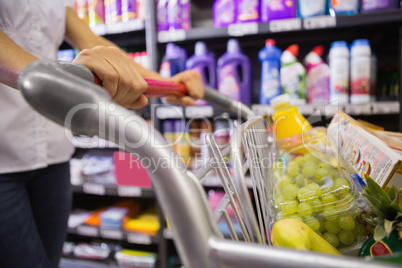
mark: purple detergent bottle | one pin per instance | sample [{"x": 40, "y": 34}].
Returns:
[
  {"x": 248, "y": 11},
  {"x": 224, "y": 13},
  {"x": 204, "y": 64},
  {"x": 186, "y": 14},
  {"x": 174, "y": 15},
  {"x": 161, "y": 9},
  {"x": 234, "y": 73}
]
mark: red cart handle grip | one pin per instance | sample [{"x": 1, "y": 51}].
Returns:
[{"x": 158, "y": 88}]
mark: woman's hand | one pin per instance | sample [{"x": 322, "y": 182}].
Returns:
[
  {"x": 118, "y": 74},
  {"x": 192, "y": 81}
]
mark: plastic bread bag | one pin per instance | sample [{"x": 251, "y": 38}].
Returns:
[{"x": 311, "y": 184}]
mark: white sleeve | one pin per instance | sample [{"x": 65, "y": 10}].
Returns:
[{"x": 69, "y": 3}]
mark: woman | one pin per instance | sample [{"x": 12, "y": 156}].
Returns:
[{"x": 35, "y": 193}]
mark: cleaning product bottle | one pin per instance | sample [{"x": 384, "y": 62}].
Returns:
[
  {"x": 204, "y": 64},
  {"x": 293, "y": 76},
  {"x": 278, "y": 9},
  {"x": 248, "y": 11},
  {"x": 230, "y": 81},
  {"x": 173, "y": 62},
  {"x": 373, "y": 5},
  {"x": 174, "y": 16},
  {"x": 343, "y": 7},
  {"x": 373, "y": 78},
  {"x": 317, "y": 77},
  {"x": 224, "y": 13},
  {"x": 161, "y": 10},
  {"x": 308, "y": 8},
  {"x": 360, "y": 71},
  {"x": 270, "y": 57},
  {"x": 287, "y": 119},
  {"x": 185, "y": 14},
  {"x": 339, "y": 73}
]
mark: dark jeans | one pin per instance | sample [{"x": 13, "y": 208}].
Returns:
[{"x": 34, "y": 209}]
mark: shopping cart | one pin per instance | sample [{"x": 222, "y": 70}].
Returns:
[{"x": 67, "y": 95}]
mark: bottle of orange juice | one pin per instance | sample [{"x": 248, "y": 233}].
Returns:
[{"x": 287, "y": 119}]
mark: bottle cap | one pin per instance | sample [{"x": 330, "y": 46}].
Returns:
[
  {"x": 319, "y": 50},
  {"x": 279, "y": 100},
  {"x": 361, "y": 42},
  {"x": 171, "y": 50},
  {"x": 200, "y": 49},
  {"x": 339, "y": 44},
  {"x": 269, "y": 42},
  {"x": 233, "y": 46},
  {"x": 294, "y": 49}
]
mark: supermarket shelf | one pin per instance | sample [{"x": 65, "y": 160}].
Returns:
[
  {"x": 119, "y": 27},
  {"x": 74, "y": 263},
  {"x": 176, "y": 112},
  {"x": 374, "y": 108},
  {"x": 296, "y": 24},
  {"x": 215, "y": 181},
  {"x": 113, "y": 190},
  {"x": 119, "y": 235}
]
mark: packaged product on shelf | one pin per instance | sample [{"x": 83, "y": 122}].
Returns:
[
  {"x": 365, "y": 153},
  {"x": 185, "y": 14},
  {"x": 98, "y": 167},
  {"x": 96, "y": 12},
  {"x": 277, "y": 10},
  {"x": 222, "y": 131},
  {"x": 270, "y": 57},
  {"x": 81, "y": 8},
  {"x": 174, "y": 61},
  {"x": 68, "y": 248},
  {"x": 206, "y": 128},
  {"x": 161, "y": 13},
  {"x": 317, "y": 77},
  {"x": 145, "y": 223},
  {"x": 141, "y": 9},
  {"x": 224, "y": 13},
  {"x": 312, "y": 188},
  {"x": 293, "y": 76},
  {"x": 182, "y": 145},
  {"x": 77, "y": 217},
  {"x": 204, "y": 64},
  {"x": 128, "y": 10},
  {"x": 168, "y": 131},
  {"x": 145, "y": 62},
  {"x": 194, "y": 133},
  {"x": 308, "y": 8},
  {"x": 339, "y": 73},
  {"x": 66, "y": 55},
  {"x": 229, "y": 81},
  {"x": 360, "y": 64},
  {"x": 287, "y": 119},
  {"x": 373, "y": 5},
  {"x": 174, "y": 15},
  {"x": 115, "y": 11},
  {"x": 134, "y": 258},
  {"x": 248, "y": 11},
  {"x": 94, "y": 251},
  {"x": 343, "y": 7}
]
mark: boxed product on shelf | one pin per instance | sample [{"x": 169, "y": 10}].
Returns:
[
  {"x": 364, "y": 152},
  {"x": 94, "y": 251},
  {"x": 127, "y": 258},
  {"x": 146, "y": 223},
  {"x": 310, "y": 186}
]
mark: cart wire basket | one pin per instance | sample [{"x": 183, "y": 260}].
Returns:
[{"x": 66, "y": 93}]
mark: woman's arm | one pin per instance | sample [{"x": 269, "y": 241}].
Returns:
[
  {"x": 13, "y": 61},
  {"x": 94, "y": 48}
]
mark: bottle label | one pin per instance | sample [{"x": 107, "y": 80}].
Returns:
[
  {"x": 318, "y": 84},
  {"x": 344, "y": 5},
  {"x": 375, "y": 4},
  {"x": 186, "y": 14},
  {"x": 127, "y": 10},
  {"x": 227, "y": 82},
  {"x": 293, "y": 83},
  {"x": 162, "y": 18},
  {"x": 174, "y": 15},
  {"x": 360, "y": 76},
  {"x": 339, "y": 73},
  {"x": 225, "y": 11},
  {"x": 249, "y": 10},
  {"x": 310, "y": 8},
  {"x": 200, "y": 71},
  {"x": 270, "y": 81}
]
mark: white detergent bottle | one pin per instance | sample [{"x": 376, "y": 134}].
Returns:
[
  {"x": 360, "y": 68},
  {"x": 339, "y": 73}
]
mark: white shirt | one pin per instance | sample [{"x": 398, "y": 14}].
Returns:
[{"x": 28, "y": 140}]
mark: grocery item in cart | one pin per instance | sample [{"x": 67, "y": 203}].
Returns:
[
  {"x": 314, "y": 189},
  {"x": 287, "y": 119}
]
